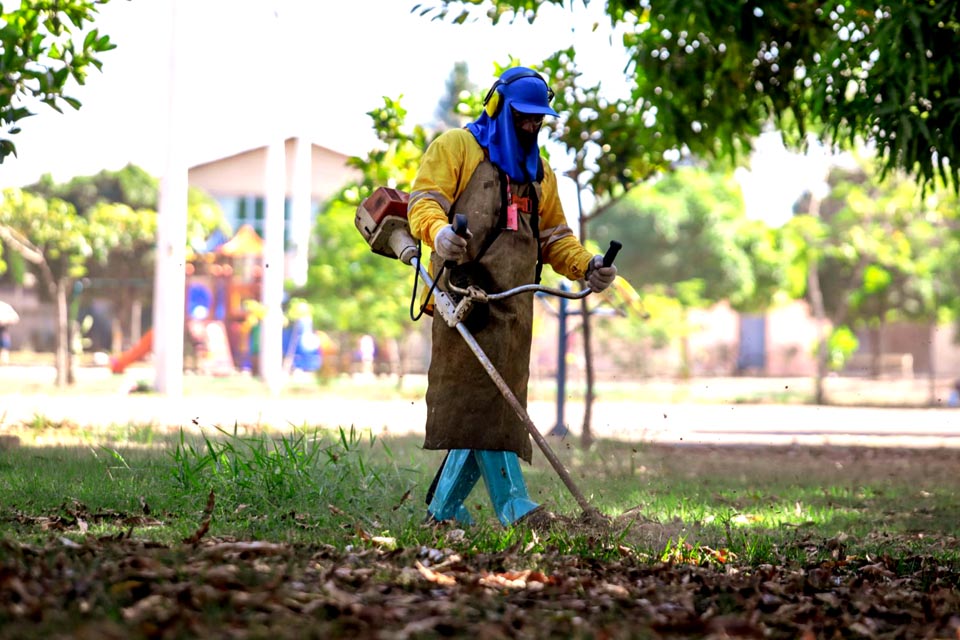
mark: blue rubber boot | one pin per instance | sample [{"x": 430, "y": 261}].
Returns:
[
  {"x": 504, "y": 479},
  {"x": 457, "y": 479}
]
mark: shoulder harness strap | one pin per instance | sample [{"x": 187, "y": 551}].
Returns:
[{"x": 502, "y": 222}]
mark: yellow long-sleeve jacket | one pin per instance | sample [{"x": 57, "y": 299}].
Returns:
[{"x": 444, "y": 173}]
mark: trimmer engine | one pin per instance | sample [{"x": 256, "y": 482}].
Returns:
[{"x": 382, "y": 221}]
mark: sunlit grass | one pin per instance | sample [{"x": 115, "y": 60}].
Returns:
[{"x": 347, "y": 487}]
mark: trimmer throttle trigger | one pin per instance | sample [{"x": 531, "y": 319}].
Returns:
[{"x": 611, "y": 253}]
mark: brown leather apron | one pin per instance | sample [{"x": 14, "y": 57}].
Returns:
[{"x": 465, "y": 410}]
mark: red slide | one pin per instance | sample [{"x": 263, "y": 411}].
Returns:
[{"x": 134, "y": 353}]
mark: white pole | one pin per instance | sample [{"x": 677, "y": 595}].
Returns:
[
  {"x": 274, "y": 256},
  {"x": 170, "y": 273},
  {"x": 271, "y": 331},
  {"x": 300, "y": 206}
]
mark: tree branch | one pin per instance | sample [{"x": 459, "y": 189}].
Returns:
[
  {"x": 605, "y": 206},
  {"x": 30, "y": 253},
  {"x": 21, "y": 245}
]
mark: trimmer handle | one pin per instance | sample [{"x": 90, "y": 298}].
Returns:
[
  {"x": 459, "y": 228},
  {"x": 460, "y": 224},
  {"x": 611, "y": 253}
]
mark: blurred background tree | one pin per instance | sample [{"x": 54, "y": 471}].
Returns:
[
  {"x": 885, "y": 250},
  {"x": 123, "y": 204},
  {"x": 688, "y": 238},
  {"x": 94, "y": 234},
  {"x": 57, "y": 243}
]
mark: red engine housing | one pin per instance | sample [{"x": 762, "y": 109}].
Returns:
[
  {"x": 386, "y": 202},
  {"x": 382, "y": 221}
]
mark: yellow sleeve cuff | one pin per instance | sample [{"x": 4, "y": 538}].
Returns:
[{"x": 432, "y": 230}]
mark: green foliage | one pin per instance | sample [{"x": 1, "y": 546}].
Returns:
[
  {"x": 613, "y": 144},
  {"x": 43, "y": 47},
  {"x": 712, "y": 72},
  {"x": 48, "y": 233},
  {"x": 393, "y": 164},
  {"x": 123, "y": 230},
  {"x": 801, "y": 240},
  {"x": 353, "y": 289},
  {"x": 841, "y": 345},
  {"x": 884, "y": 245},
  {"x": 687, "y": 231},
  {"x": 131, "y": 185},
  {"x": 895, "y": 82},
  {"x": 102, "y": 226},
  {"x": 139, "y": 193}
]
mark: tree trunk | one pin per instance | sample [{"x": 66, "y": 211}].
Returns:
[
  {"x": 586, "y": 431},
  {"x": 932, "y": 369},
  {"x": 116, "y": 335},
  {"x": 686, "y": 371},
  {"x": 136, "y": 320},
  {"x": 397, "y": 360},
  {"x": 876, "y": 352},
  {"x": 124, "y": 306},
  {"x": 816, "y": 302},
  {"x": 62, "y": 342}
]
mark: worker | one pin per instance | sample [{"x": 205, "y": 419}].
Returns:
[{"x": 492, "y": 172}]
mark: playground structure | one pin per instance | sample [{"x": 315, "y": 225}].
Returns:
[{"x": 223, "y": 312}]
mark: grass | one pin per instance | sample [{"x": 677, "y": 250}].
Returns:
[{"x": 347, "y": 488}]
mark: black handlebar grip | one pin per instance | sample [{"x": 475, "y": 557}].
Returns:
[
  {"x": 611, "y": 253},
  {"x": 460, "y": 224},
  {"x": 460, "y": 228}
]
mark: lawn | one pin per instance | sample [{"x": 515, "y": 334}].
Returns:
[{"x": 223, "y": 531}]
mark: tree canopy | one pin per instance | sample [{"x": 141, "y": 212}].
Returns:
[
  {"x": 708, "y": 74},
  {"x": 44, "y": 46},
  {"x": 886, "y": 251}
]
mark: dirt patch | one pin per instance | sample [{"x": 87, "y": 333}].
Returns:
[{"x": 631, "y": 527}]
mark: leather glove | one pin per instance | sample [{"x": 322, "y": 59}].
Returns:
[
  {"x": 598, "y": 276},
  {"x": 449, "y": 245}
]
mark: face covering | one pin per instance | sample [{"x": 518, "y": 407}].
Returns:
[{"x": 527, "y": 139}]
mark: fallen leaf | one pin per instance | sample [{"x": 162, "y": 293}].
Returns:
[
  {"x": 385, "y": 541},
  {"x": 435, "y": 577},
  {"x": 403, "y": 498}
]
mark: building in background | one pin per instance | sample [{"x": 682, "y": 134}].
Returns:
[{"x": 238, "y": 182}]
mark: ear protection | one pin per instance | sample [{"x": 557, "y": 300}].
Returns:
[{"x": 492, "y": 103}]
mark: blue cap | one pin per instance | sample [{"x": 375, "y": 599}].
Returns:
[{"x": 526, "y": 94}]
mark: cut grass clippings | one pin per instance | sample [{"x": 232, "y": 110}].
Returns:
[{"x": 314, "y": 532}]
